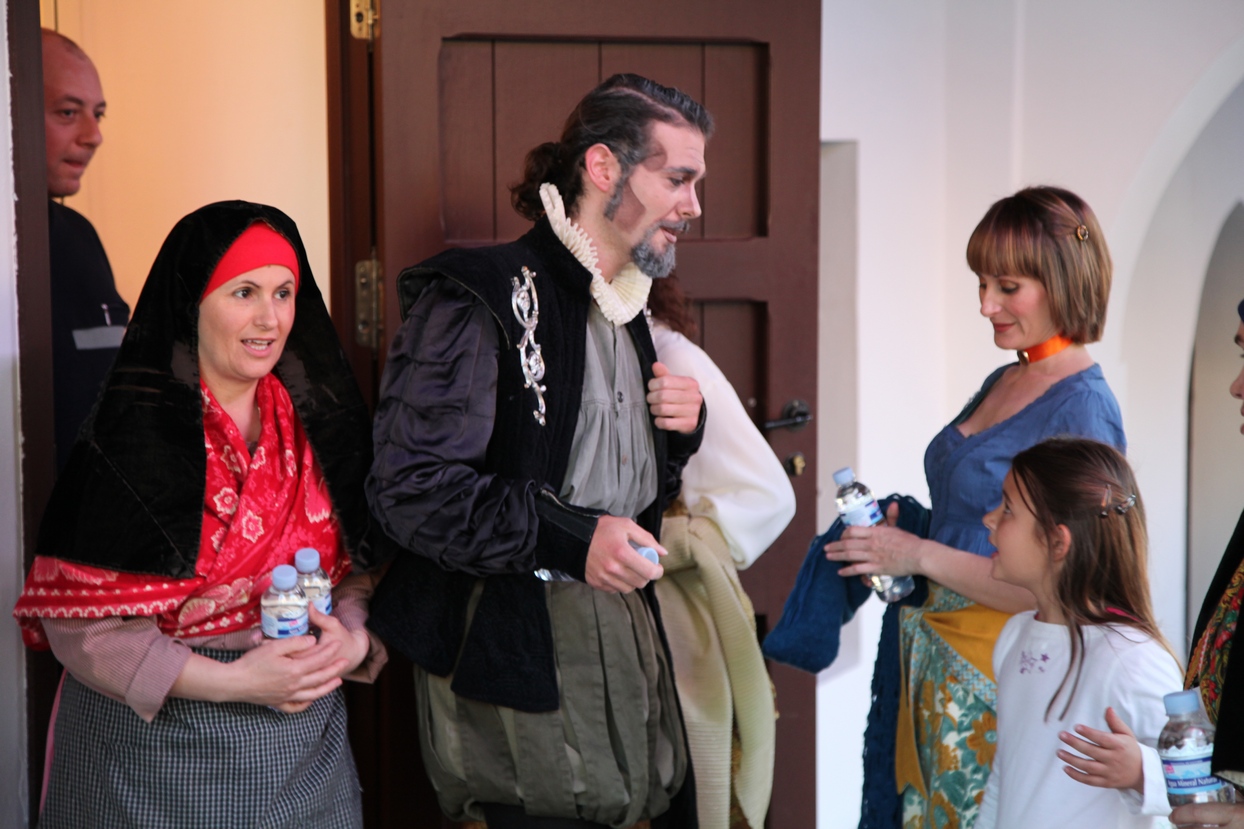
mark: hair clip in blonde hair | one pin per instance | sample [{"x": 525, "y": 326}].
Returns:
[
  {"x": 1082, "y": 233},
  {"x": 1121, "y": 508}
]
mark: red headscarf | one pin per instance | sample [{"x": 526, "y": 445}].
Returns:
[{"x": 259, "y": 245}]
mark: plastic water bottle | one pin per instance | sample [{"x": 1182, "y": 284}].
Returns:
[
  {"x": 313, "y": 580},
  {"x": 557, "y": 575},
  {"x": 647, "y": 552},
  {"x": 858, "y": 508},
  {"x": 283, "y": 607},
  {"x": 1186, "y": 745}
]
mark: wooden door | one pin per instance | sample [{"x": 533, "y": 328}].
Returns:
[{"x": 460, "y": 90}]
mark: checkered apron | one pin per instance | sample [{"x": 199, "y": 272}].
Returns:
[{"x": 200, "y": 765}]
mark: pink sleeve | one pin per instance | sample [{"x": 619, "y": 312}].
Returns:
[
  {"x": 127, "y": 659},
  {"x": 350, "y": 599}
]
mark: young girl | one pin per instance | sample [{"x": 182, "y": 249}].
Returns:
[{"x": 1071, "y": 529}]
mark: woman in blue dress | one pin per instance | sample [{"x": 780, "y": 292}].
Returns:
[{"x": 1044, "y": 272}]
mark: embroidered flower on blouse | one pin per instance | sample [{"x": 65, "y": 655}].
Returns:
[{"x": 1032, "y": 663}]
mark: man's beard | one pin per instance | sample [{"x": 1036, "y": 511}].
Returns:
[{"x": 645, "y": 256}]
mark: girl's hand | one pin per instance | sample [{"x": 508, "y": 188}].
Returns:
[
  {"x": 883, "y": 548},
  {"x": 353, "y": 644},
  {"x": 1112, "y": 759},
  {"x": 1226, "y": 815},
  {"x": 286, "y": 674}
]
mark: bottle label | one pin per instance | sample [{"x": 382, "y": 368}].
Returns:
[
  {"x": 1190, "y": 775},
  {"x": 319, "y": 594},
  {"x": 274, "y": 628},
  {"x": 863, "y": 515}
]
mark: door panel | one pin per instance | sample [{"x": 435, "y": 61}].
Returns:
[
  {"x": 464, "y": 88},
  {"x": 468, "y": 168},
  {"x": 735, "y": 333},
  {"x": 498, "y": 99},
  {"x": 735, "y": 82},
  {"x": 536, "y": 85}
]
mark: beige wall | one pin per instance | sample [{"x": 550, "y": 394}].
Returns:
[{"x": 206, "y": 101}]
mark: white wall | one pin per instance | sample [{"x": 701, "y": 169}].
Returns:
[
  {"x": 1159, "y": 324},
  {"x": 12, "y": 655},
  {"x": 206, "y": 101},
  {"x": 1216, "y": 462},
  {"x": 956, "y": 103}
]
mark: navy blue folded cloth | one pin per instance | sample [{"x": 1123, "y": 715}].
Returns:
[{"x": 821, "y": 602}]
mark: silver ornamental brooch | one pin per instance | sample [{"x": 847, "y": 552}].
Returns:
[{"x": 526, "y": 305}]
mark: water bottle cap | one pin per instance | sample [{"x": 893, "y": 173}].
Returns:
[
  {"x": 307, "y": 560},
  {"x": 647, "y": 552},
  {"x": 844, "y": 476},
  {"x": 1182, "y": 702},
  {"x": 284, "y": 577}
]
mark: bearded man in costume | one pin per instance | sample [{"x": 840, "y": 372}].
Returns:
[{"x": 527, "y": 440}]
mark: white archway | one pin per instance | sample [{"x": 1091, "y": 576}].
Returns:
[
  {"x": 1216, "y": 454},
  {"x": 1160, "y": 275}
]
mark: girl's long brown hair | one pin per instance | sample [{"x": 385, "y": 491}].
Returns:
[{"x": 1089, "y": 488}]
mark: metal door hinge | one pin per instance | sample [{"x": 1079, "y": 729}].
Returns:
[
  {"x": 368, "y": 302},
  {"x": 364, "y": 20}
]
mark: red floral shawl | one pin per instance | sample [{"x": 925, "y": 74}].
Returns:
[
  {"x": 259, "y": 509},
  {"x": 1207, "y": 665}
]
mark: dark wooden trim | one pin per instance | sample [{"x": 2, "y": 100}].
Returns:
[
  {"x": 34, "y": 330},
  {"x": 34, "y": 294},
  {"x": 350, "y": 180}
]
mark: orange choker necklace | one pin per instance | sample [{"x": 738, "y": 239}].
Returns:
[{"x": 1048, "y": 348}]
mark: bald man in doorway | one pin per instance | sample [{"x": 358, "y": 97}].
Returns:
[{"x": 88, "y": 315}]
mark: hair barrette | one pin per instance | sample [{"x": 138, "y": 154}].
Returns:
[
  {"x": 1121, "y": 508},
  {"x": 1082, "y": 233}
]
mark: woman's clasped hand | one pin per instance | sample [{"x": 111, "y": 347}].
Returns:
[{"x": 285, "y": 674}]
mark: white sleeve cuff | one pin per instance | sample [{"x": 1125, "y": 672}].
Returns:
[{"x": 1154, "y": 801}]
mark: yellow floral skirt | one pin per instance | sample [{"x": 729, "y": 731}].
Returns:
[{"x": 947, "y": 719}]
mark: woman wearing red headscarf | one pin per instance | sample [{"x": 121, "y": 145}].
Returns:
[{"x": 229, "y": 435}]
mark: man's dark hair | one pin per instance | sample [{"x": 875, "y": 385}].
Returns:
[{"x": 619, "y": 114}]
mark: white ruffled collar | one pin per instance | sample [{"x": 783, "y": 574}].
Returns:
[{"x": 619, "y": 300}]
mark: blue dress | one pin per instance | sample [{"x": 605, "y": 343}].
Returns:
[
  {"x": 932, "y": 726},
  {"x": 965, "y": 473}
]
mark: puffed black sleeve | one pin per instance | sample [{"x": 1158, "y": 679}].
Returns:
[
  {"x": 427, "y": 487},
  {"x": 431, "y": 432}
]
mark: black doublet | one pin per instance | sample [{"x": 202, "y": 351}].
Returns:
[{"x": 506, "y": 657}]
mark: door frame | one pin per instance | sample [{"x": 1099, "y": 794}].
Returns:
[{"x": 793, "y": 76}]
